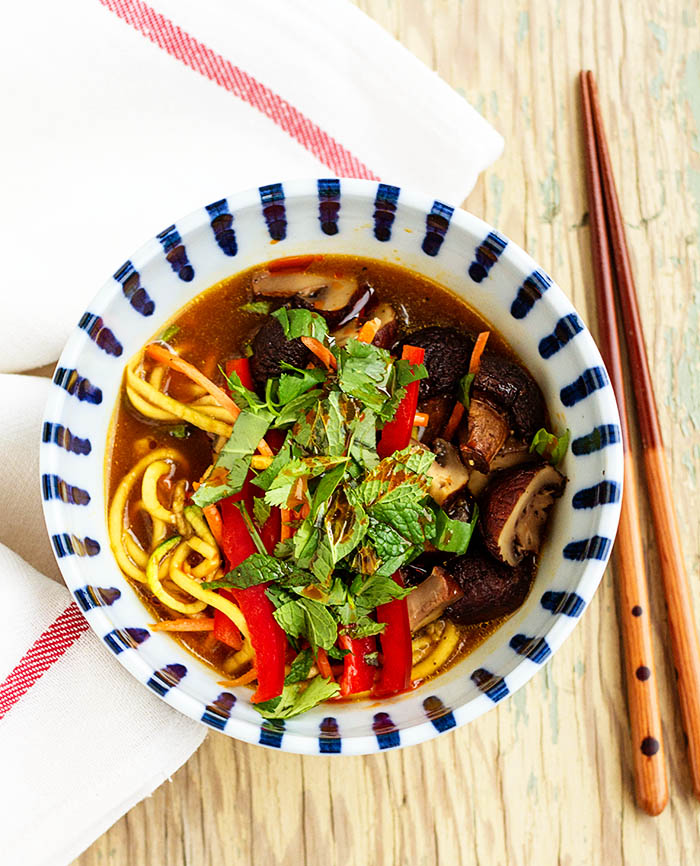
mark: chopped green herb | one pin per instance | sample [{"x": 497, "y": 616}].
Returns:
[
  {"x": 261, "y": 308},
  {"x": 301, "y": 323},
  {"x": 167, "y": 335},
  {"x": 261, "y": 511},
  {"x": 548, "y": 445},
  {"x": 181, "y": 431},
  {"x": 464, "y": 388},
  {"x": 261, "y": 568},
  {"x": 297, "y": 698},
  {"x": 299, "y": 670},
  {"x": 452, "y": 535}
]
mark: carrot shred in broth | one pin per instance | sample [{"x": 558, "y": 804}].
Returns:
[{"x": 212, "y": 329}]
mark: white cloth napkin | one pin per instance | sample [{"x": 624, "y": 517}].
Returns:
[{"x": 119, "y": 117}]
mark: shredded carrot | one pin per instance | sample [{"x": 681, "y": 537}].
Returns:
[
  {"x": 369, "y": 331},
  {"x": 322, "y": 353},
  {"x": 213, "y": 518},
  {"x": 478, "y": 351},
  {"x": 175, "y": 362},
  {"x": 185, "y": 624},
  {"x": 293, "y": 263},
  {"x": 265, "y": 449},
  {"x": 243, "y": 680},
  {"x": 421, "y": 419},
  {"x": 286, "y": 530},
  {"x": 453, "y": 423},
  {"x": 324, "y": 667}
]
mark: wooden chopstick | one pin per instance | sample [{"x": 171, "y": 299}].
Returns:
[
  {"x": 651, "y": 785},
  {"x": 679, "y": 601}
]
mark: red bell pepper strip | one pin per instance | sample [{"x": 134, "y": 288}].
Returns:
[
  {"x": 358, "y": 676},
  {"x": 268, "y": 639},
  {"x": 225, "y": 629},
  {"x": 242, "y": 367},
  {"x": 397, "y": 652},
  {"x": 397, "y": 432}
]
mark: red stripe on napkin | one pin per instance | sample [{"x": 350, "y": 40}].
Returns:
[
  {"x": 199, "y": 57},
  {"x": 58, "y": 637}
]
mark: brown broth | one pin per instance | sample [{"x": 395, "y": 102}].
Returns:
[{"x": 212, "y": 329}]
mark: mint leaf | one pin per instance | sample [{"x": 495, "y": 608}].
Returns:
[
  {"x": 303, "y": 617},
  {"x": 452, "y": 535},
  {"x": 280, "y": 488},
  {"x": 364, "y": 371},
  {"x": 363, "y": 444},
  {"x": 364, "y": 627},
  {"x": 261, "y": 511},
  {"x": 292, "y": 385},
  {"x": 344, "y": 527},
  {"x": 392, "y": 549},
  {"x": 370, "y": 592},
  {"x": 301, "y": 323},
  {"x": 261, "y": 568},
  {"x": 297, "y": 698},
  {"x": 299, "y": 670}
]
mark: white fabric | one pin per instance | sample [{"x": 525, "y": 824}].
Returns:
[{"x": 107, "y": 139}]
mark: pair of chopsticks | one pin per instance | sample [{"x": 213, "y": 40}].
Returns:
[{"x": 612, "y": 269}]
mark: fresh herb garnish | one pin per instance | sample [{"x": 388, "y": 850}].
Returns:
[
  {"x": 167, "y": 335},
  {"x": 464, "y": 388},
  {"x": 180, "y": 431},
  {"x": 301, "y": 323},
  {"x": 300, "y": 668},
  {"x": 261, "y": 308},
  {"x": 296, "y": 698},
  {"x": 548, "y": 445},
  {"x": 453, "y": 535},
  {"x": 261, "y": 511}
]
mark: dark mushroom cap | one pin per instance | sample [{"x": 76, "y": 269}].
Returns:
[
  {"x": 270, "y": 346},
  {"x": 510, "y": 386},
  {"x": 484, "y": 435},
  {"x": 491, "y": 589},
  {"x": 515, "y": 509},
  {"x": 447, "y": 354}
]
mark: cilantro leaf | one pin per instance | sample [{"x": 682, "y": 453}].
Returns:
[
  {"x": 548, "y": 445},
  {"x": 301, "y": 323},
  {"x": 406, "y": 372},
  {"x": 267, "y": 476},
  {"x": 243, "y": 397},
  {"x": 261, "y": 308},
  {"x": 364, "y": 371},
  {"x": 232, "y": 464},
  {"x": 298, "y": 698}
]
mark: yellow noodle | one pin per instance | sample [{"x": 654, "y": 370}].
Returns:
[
  {"x": 216, "y": 412},
  {"x": 134, "y": 550},
  {"x": 160, "y": 529},
  {"x": 202, "y": 548},
  {"x": 245, "y": 655},
  {"x": 149, "y": 491},
  {"x": 157, "y": 376},
  {"x": 443, "y": 650},
  {"x": 206, "y": 569},
  {"x": 115, "y": 518},
  {"x": 168, "y": 404},
  {"x": 195, "y": 516},
  {"x": 182, "y": 525},
  {"x": 189, "y": 584},
  {"x": 143, "y": 407},
  {"x": 156, "y": 586}
]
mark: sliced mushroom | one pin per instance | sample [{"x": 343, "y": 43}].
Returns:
[
  {"x": 337, "y": 299},
  {"x": 386, "y": 334},
  {"x": 389, "y": 323},
  {"x": 490, "y": 589},
  {"x": 509, "y": 386},
  {"x": 515, "y": 452},
  {"x": 515, "y": 508},
  {"x": 270, "y": 346},
  {"x": 448, "y": 474},
  {"x": 486, "y": 431},
  {"x": 430, "y": 598},
  {"x": 447, "y": 353},
  {"x": 438, "y": 410}
]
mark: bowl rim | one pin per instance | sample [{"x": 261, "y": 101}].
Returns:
[{"x": 591, "y": 570}]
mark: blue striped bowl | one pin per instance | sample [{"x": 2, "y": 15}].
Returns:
[{"x": 382, "y": 222}]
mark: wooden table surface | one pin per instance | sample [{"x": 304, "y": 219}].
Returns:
[{"x": 545, "y": 777}]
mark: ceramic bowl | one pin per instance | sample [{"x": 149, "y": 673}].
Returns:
[{"x": 382, "y": 222}]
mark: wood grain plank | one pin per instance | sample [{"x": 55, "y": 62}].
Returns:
[{"x": 546, "y": 777}]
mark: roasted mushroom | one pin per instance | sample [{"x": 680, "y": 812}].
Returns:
[
  {"x": 388, "y": 326},
  {"x": 509, "y": 386},
  {"x": 513, "y": 453},
  {"x": 447, "y": 353},
  {"x": 438, "y": 410},
  {"x": 270, "y": 346},
  {"x": 448, "y": 474},
  {"x": 337, "y": 299},
  {"x": 430, "y": 598},
  {"x": 515, "y": 507},
  {"x": 486, "y": 431},
  {"x": 490, "y": 589}
]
